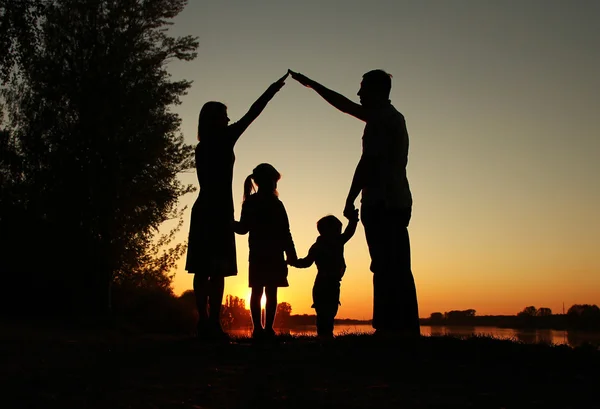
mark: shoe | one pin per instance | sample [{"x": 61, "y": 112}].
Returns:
[
  {"x": 210, "y": 332},
  {"x": 219, "y": 335},
  {"x": 202, "y": 331},
  {"x": 325, "y": 336},
  {"x": 396, "y": 334},
  {"x": 258, "y": 333}
]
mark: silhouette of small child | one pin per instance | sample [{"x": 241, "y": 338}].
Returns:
[
  {"x": 264, "y": 217},
  {"x": 328, "y": 254}
]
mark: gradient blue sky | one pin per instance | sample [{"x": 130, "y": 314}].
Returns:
[{"x": 501, "y": 100}]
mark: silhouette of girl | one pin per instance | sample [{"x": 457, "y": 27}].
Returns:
[
  {"x": 264, "y": 216},
  {"x": 211, "y": 254}
]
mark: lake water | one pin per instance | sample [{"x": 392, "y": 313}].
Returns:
[{"x": 528, "y": 336}]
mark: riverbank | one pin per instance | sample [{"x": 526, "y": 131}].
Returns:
[
  {"x": 529, "y": 336},
  {"x": 83, "y": 369}
]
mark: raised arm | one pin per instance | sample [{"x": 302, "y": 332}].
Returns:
[
  {"x": 351, "y": 227},
  {"x": 337, "y": 100},
  {"x": 238, "y": 128}
]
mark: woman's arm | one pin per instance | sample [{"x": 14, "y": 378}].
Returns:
[
  {"x": 238, "y": 128},
  {"x": 243, "y": 226},
  {"x": 337, "y": 100}
]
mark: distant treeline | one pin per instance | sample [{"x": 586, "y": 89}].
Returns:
[{"x": 582, "y": 317}]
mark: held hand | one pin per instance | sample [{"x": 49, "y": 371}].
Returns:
[
  {"x": 350, "y": 211},
  {"x": 277, "y": 85},
  {"x": 352, "y": 215},
  {"x": 302, "y": 79},
  {"x": 291, "y": 260}
]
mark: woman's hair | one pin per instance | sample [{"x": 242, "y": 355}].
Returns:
[
  {"x": 261, "y": 175},
  {"x": 208, "y": 116}
]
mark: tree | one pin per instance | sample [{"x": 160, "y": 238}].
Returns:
[
  {"x": 584, "y": 316},
  {"x": 282, "y": 315},
  {"x": 459, "y": 317},
  {"x": 97, "y": 149},
  {"x": 530, "y": 311},
  {"x": 234, "y": 313},
  {"x": 436, "y": 317},
  {"x": 544, "y": 312}
]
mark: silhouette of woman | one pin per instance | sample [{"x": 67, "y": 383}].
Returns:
[{"x": 211, "y": 254}]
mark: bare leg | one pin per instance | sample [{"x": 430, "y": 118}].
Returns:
[
  {"x": 215, "y": 299},
  {"x": 271, "y": 308},
  {"x": 255, "y": 309},
  {"x": 201, "y": 295}
]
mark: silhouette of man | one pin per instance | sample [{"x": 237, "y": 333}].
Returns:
[{"x": 386, "y": 200}]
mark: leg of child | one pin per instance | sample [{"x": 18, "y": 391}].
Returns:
[
  {"x": 255, "y": 309},
  {"x": 332, "y": 314},
  {"x": 320, "y": 321},
  {"x": 325, "y": 316},
  {"x": 271, "y": 309}
]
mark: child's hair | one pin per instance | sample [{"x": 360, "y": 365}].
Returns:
[
  {"x": 261, "y": 175},
  {"x": 328, "y": 224},
  {"x": 207, "y": 117}
]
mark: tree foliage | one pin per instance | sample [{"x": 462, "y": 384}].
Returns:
[
  {"x": 530, "y": 311},
  {"x": 234, "y": 313},
  {"x": 282, "y": 315},
  {"x": 91, "y": 150}
]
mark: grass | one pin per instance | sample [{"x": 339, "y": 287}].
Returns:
[{"x": 86, "y": 369}]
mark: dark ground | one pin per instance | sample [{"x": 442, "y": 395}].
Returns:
[{"x": 87, "y": 369}]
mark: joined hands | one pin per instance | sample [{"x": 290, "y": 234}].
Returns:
[{"x": 302, "y": 79}]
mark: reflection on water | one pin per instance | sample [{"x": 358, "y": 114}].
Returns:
[{"x": 530, "y": 336}]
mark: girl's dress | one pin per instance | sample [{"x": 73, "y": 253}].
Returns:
[{"x": 264, "y": 217}]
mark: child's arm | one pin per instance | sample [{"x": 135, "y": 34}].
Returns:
[
  {"x": 243, "y": 226},
  {"x": 351, "y": 227},
  {"x": 239, "y": 227},
  {"x": 306, "y": 261}
]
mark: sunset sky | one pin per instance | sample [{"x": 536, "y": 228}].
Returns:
[{"x": 501, "y": 101}]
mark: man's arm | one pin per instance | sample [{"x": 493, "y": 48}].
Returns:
[
  {"x": 358, "y": 182},
  {"x": 350, "y": 228},
  {"x": 337, "y": 100}
]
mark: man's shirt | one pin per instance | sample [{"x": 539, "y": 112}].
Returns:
[{"x": 385, "y": 147}]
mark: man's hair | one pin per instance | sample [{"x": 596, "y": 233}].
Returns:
[
  {"x": 380, "y": 81},
  {"x": 328, "y": 223}
]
